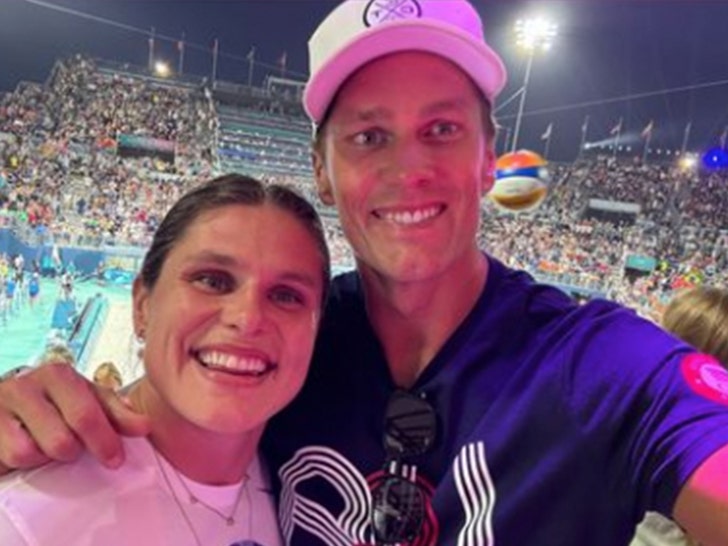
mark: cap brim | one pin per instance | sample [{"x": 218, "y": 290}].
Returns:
[{"x": 474, "y": 57}]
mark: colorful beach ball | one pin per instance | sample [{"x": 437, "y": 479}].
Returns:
[{"x": 521, "y": 181}]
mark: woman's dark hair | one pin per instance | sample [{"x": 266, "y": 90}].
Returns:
[{"x": 230, "y": 189}]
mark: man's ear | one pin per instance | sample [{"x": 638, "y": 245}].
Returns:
[
  {"x": 323, "y": 183},
  {"x": 140, "y": 307},
  {"x": 488, "y": 176}
]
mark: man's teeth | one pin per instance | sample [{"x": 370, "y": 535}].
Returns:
[
  {"x": 408, "y": 217},
  {"x": 215, "y": 359}
]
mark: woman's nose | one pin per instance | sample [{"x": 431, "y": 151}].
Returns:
[{"x": 245, "y": 310}]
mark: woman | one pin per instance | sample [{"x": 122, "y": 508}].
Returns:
[
  {"x": 227, "y": 304},
  {"x": 700, "y": 317}
]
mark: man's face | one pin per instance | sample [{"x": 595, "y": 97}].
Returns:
[{"x": 405, "y": 159}]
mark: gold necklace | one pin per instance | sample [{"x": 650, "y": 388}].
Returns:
[{"x": 230, "y": 520}]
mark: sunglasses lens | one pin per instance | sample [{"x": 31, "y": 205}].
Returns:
[
  {"x": 399, "y": 510},
  {"x": 410, "y": 425}
]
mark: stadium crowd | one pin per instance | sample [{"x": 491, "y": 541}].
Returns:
[{"x": 64, "y": 179}]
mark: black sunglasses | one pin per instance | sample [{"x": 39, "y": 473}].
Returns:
[{"x": 398, "y": 502}]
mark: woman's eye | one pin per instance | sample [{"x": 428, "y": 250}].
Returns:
[
  {"x": 288, "y": 296},
  {"x": 216, "y": 282}
]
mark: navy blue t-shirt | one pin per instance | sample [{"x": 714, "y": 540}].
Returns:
[{"x": 557, "y": 424}]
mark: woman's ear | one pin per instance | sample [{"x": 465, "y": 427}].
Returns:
[{"x": 140, "y": 307}]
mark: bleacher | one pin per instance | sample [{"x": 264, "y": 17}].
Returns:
[
  {"x": 65, "y": 181},
  {"x": 262, "y": 143}
]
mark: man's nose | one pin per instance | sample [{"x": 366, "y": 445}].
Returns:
[{"x": 411, "y": 162}]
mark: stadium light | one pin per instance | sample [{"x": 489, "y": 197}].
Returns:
[
  {"x": 688, "y": 162},
  {"x": 162, "y": 69},
  {"x": 533, "y": 35}
]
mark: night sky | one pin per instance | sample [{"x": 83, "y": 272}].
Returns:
[{"x": 641, "y": 60}]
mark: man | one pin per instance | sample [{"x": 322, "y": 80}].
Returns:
[{"x": 451, "y": 400}]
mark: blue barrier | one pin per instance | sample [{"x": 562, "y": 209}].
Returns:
[
  {"x": 64, "y": 315},
  {"x": 119, "y": 276},
  {"x": 87, "y": 328}
]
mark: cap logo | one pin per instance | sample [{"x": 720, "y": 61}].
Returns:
[{"x": 381, "y": 11}]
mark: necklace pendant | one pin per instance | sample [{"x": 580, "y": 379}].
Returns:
[{"x": 230, "y": 521}]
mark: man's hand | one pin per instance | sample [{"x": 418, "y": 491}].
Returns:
[{"x": 54, "y": 413}]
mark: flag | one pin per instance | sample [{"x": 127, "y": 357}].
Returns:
[
  {"x": 585, "y": 125},
  {"x": 547, "y": 133},
  {"x": 724, "y": 137},
  {"x": 647, "y": 131},
  {"x": 251, "y": 55},
  {"x": 617, "y": 128}
]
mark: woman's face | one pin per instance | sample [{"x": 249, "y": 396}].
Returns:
[{"x": 229, "y": 326}]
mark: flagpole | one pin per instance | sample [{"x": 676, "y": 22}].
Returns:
[
  {"x": 584, "y": 129},
  {"x": 547, "y": 146},
  {"x": 500, "y": 132},
  {"x": 215, "y": 47},
  {"x": 686, "y": 137},
  {"x": 616, "y": 139},
  {"x": 723, "y": 137},
  {"x": 251, "y": 57},
  {"x": 648, "y": 138},
  {"x": 283, "y": 60},
  {"x": 151, "y": 50},
  {"x": 547, "y": 137},
  {"x": 507, "y": 141},
  {"x": 181, "y": 49}
]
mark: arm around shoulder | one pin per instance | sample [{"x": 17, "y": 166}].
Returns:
[
  {"x": 53, "y": 413},
  {"x": 702, "y": 505}
]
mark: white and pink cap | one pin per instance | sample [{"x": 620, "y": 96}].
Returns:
[{"x": 359, "y": 31}]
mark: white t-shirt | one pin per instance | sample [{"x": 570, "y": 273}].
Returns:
[
  {"x": 85, "y": 504},
  {"x": 657, "y": 530}
]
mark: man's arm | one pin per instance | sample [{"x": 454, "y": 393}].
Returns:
[
  {"x": 53, "y": 413},
  {"x": 702, "y": 505}
]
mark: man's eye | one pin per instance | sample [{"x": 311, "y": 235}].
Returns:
[
  {"x": 444, "y": 129},
  {"x": 370, "y": 137},
  {"x": 215, "y": 282}
]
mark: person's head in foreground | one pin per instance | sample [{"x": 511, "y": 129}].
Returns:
[
  {"x": 108, "y": 375},
  {"x": 700, "y": 317},
  {"x": 401, "y": 97},
  {"x": 57, "y": 352}
]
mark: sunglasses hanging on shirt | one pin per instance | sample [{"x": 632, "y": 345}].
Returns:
[{"x": 398, "y": 501}]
